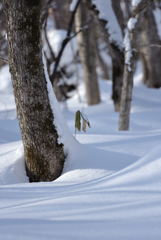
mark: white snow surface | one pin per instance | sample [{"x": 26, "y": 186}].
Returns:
[
  {"x": 131, "y": 23},
  {"x": 135, "y": 3},
  {"x": 111, "y": 185},
  {"x": 73, "y": 5}
]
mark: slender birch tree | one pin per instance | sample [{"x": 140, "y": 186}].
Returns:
[{"x": 129, "y": 41}]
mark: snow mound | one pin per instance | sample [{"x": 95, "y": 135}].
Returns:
[
  {"x": 12, "y": 169},
  {"x": 5, "y": 81},
  {"x": 145, "y": 174}
]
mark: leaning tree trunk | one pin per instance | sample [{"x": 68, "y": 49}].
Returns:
[
  {"x": 44, "y": 156},
  {"x": 87, "y": 53},
  {"x": 117, "y": 58}
]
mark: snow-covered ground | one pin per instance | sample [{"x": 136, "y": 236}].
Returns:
[{"x": 111, "y": 185}]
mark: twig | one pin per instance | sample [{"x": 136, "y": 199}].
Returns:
[
  {"x": 3, "y": 59},
  {"x": 48, "y": 43},
  {"x": 151, "y": 45}
]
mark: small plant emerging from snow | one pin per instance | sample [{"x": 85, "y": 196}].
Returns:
[{"x": 81, "y": 122}]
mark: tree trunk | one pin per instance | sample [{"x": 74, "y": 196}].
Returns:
[
  {"x": 129, "y": 41},
  {"x": 126, "y": 10},
  {"x": 44, "y": 156},
  {"x": 87, "y": 53},
  {"x": 126, "y": 94},
  {"x": 116, "y": 5},
  {"x": 116, "y": 53},
  {"x": 3, "y": 42},
  {"x": 150, "y": 49},
  {"x": 61, "y": 13},
  {"x": 117, "y": 75},
  {"x": 100, "y": 61},
  {"x": 117, "y": 59}
]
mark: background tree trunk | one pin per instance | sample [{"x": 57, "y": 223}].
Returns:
[
  {"x": 44, "y": 156},
  {"x": 116, "y": 53},
  {"x": 61, "y": 13},
  {"x": 150, "y": 49},
  {"x": 117, "y": 59},
  {"x": 126, "y": 94},
  {"x": 87, "y": 53},
  {"x": 116, "y": 5},
  {"x": 3, "y": 42},
  {"x": 130, "y": 42},
  {"x": 117, "y": 75},
  {"x": 101, "y": 62}
]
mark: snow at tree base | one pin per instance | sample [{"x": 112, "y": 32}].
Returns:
[{"x": 111, "y": 185}]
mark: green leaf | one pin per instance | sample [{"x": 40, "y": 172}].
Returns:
[
  {"x": 78, "y": 120},
  {"x": 81, "y": 122}
]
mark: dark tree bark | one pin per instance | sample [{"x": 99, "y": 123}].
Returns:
[
  {"x": 3, "y": 42},
  {"x": 117, "y": 59},
  {"x": 117, "y": 75},
  {"x": 44, "y": 156}
]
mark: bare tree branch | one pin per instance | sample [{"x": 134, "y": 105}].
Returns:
[
  {"x": 3, "y": 59},
  {"x": 66, "y": 40}
]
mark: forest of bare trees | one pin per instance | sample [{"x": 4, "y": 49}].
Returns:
[{"x": 25, "y": 44}]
